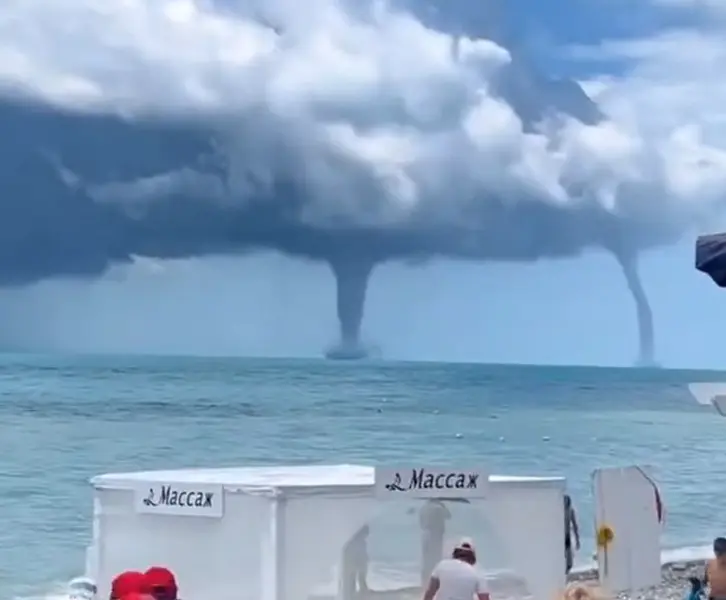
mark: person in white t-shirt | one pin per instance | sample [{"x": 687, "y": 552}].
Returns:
[{"x": 456, "y": 578}]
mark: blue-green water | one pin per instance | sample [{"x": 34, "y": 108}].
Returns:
[{"x": 65, "y": 419}]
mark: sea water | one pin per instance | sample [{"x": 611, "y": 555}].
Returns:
[{"x": 65, "y": 419}]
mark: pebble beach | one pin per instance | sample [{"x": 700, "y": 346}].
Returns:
[{"x": 673, "y": 586}]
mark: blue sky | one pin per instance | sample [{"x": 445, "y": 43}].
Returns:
[
  {"x": 548, "y": 29},
  {"x": 590, "y": 21}
]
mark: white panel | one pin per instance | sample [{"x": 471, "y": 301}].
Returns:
[
  {"x": 625, "y": 500},
  {"x": 529, "y": 521},
  {"x": 317, "y": 529},
  {"x": 272, "y": 578},
  {"x": 92, "y": 551},
  {"x": 218, "y": 558}
]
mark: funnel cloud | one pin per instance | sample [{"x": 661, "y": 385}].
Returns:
[
  {"x": 348, "y": 136},
  {"x": 644, "y": 313}
]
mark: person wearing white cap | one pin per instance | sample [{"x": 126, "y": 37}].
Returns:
[
  {"x": 82, "y": 588},
  {"x": 456, "y": 578}
]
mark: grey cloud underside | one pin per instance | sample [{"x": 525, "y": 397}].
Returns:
[{"x": 55, "y": 220}]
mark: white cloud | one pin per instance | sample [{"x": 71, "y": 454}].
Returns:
[
  {"x": 379, "y": 94},
  {"x": 670, "y": 81},
  {"x": 717, "y": 6},
  {"x": 672, "y": 92}
]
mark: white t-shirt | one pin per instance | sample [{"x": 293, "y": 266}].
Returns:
[{"x": 458, "y": 580}]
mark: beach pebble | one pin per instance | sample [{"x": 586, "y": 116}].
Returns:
[{"x": 673, "y": 585}]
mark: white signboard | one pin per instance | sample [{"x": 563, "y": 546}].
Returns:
[
  {"x": 181, "y": 500},
  {"x": 431, "y": 482}
]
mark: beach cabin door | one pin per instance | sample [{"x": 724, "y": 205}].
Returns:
[{"x": 628, "y": 515}]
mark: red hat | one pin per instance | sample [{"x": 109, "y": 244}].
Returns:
[
  {"x": 161, "y": 579},
  {"x": 129, "y": 582},
  {"x": 137, "y": 596}
]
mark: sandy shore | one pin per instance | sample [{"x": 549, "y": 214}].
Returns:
[{"x": 673, "y": 586}]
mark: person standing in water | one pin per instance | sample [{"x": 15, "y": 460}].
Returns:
[
  {"x": 571, "y": 529},
  {"x": 432, "y": 519},
  {"x": 355, "y": 564}
]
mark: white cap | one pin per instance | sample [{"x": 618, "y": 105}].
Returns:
[
  {"x": 465, "y": 544},
  {"x": 82, "y": 588}
]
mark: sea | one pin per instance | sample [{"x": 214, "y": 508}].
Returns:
[{"x": 67, "y": 418}]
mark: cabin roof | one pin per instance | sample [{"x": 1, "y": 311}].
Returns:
[{"x": 297, "y": 476}]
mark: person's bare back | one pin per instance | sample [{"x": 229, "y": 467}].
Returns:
[{"x": 716, "y": 571}]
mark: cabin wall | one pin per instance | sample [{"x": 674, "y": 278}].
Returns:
[
  {"x": 518, "y": 528},
  {"x": 625, "y": 501},
  {"x": 212, "y": 557},
  {"x": 529, "y": 519},
  {"x": 316, "y": 528}
]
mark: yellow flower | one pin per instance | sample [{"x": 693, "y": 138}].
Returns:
[{"x": 605, "y": 536}]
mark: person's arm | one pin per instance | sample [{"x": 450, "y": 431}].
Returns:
[
  {"x": 575, "y": 528},
  {"x": 705, "y": 575},
  {"x": 432, "y": 588}
]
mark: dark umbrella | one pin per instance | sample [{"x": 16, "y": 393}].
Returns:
[{"x": 711, "y": 257}]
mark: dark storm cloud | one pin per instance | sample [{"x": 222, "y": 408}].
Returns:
[{"x": 352, "y": 138}]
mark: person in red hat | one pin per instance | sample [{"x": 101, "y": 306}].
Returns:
[
  {"x": 137, "y": 596},
  {"x": 129, "y": 582},
  {"x": 162, "y": 583}
]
